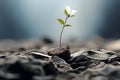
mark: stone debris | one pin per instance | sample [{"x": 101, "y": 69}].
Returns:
[{"x": 42, "y": 63}]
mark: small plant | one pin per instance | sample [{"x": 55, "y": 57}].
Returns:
[{"x": 69, "y": 13}]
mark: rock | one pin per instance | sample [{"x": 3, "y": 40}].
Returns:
[
  {"x": 2, "y": 56},
  {"x": 61, "y": 65},
  {"x": 97, "y": 65},
  {"x": 63, "y": 53},
  {"x": 21, "y": 49},
  {"x": 98, "y": 55},
  {"x": 107, "y": 72},
  {"x": 50, "y": 69},
  {"x": 39, "y": 55},
  {"x": 117, "y": 58},
  {"x": 116, "y": 63},
  {"x": 31, "y": 62},
  {"x": 79, "y": 61},
  {"x": 39, "y": 61},
  {"x": 23, "y": 70},
  {"x": 80, "y": 58},
  {"x": 82, "y": 52},
  {"x": 101, "y": 54}
]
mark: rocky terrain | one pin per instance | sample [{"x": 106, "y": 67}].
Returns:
[{"x": 36, "y": 60}]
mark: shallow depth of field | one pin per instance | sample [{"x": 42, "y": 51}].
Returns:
[{"x": 30, "y": 47}]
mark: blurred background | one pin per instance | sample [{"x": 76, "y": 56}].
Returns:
[{"x": 36, "y": 19}]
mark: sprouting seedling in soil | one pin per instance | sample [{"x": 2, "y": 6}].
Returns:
[{"x": 69, "y": 13}]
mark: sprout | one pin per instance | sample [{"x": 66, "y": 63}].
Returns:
[{"x": 69, "y": 13}]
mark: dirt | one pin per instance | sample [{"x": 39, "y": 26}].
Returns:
[{"x": 44, "y": 60}]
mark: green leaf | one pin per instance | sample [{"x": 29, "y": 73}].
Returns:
[
  {"x": 67, "y": 25},
  {"x": 61, "y": 21},
  {"x": 65, "y": 12}
]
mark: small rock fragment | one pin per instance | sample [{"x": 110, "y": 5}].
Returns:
[
  {"x": 38, "y": 55},
  {"x": 83, "y": 52},
  {"x": 50, "y": 69},
  {"x": 21, "y": 49},
  {"x": 79, "y": 61},
  {"x": 63, "y": 53},
  {"x": 61, "y": 65}
]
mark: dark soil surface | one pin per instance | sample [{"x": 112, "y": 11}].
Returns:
[{"x": 36, "y": 60}]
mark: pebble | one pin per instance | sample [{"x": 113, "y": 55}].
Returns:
[{"x": 39, "y": 55}]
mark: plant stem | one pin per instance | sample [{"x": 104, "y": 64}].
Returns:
[{"x": 62, "y": 32}]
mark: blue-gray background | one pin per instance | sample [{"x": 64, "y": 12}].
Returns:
[{"x": 21, "y": 19}]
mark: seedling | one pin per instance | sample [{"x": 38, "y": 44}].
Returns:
[{"x": 68, "y": 13}]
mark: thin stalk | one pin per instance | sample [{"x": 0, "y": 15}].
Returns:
[{"x": 62, "y": 32}]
